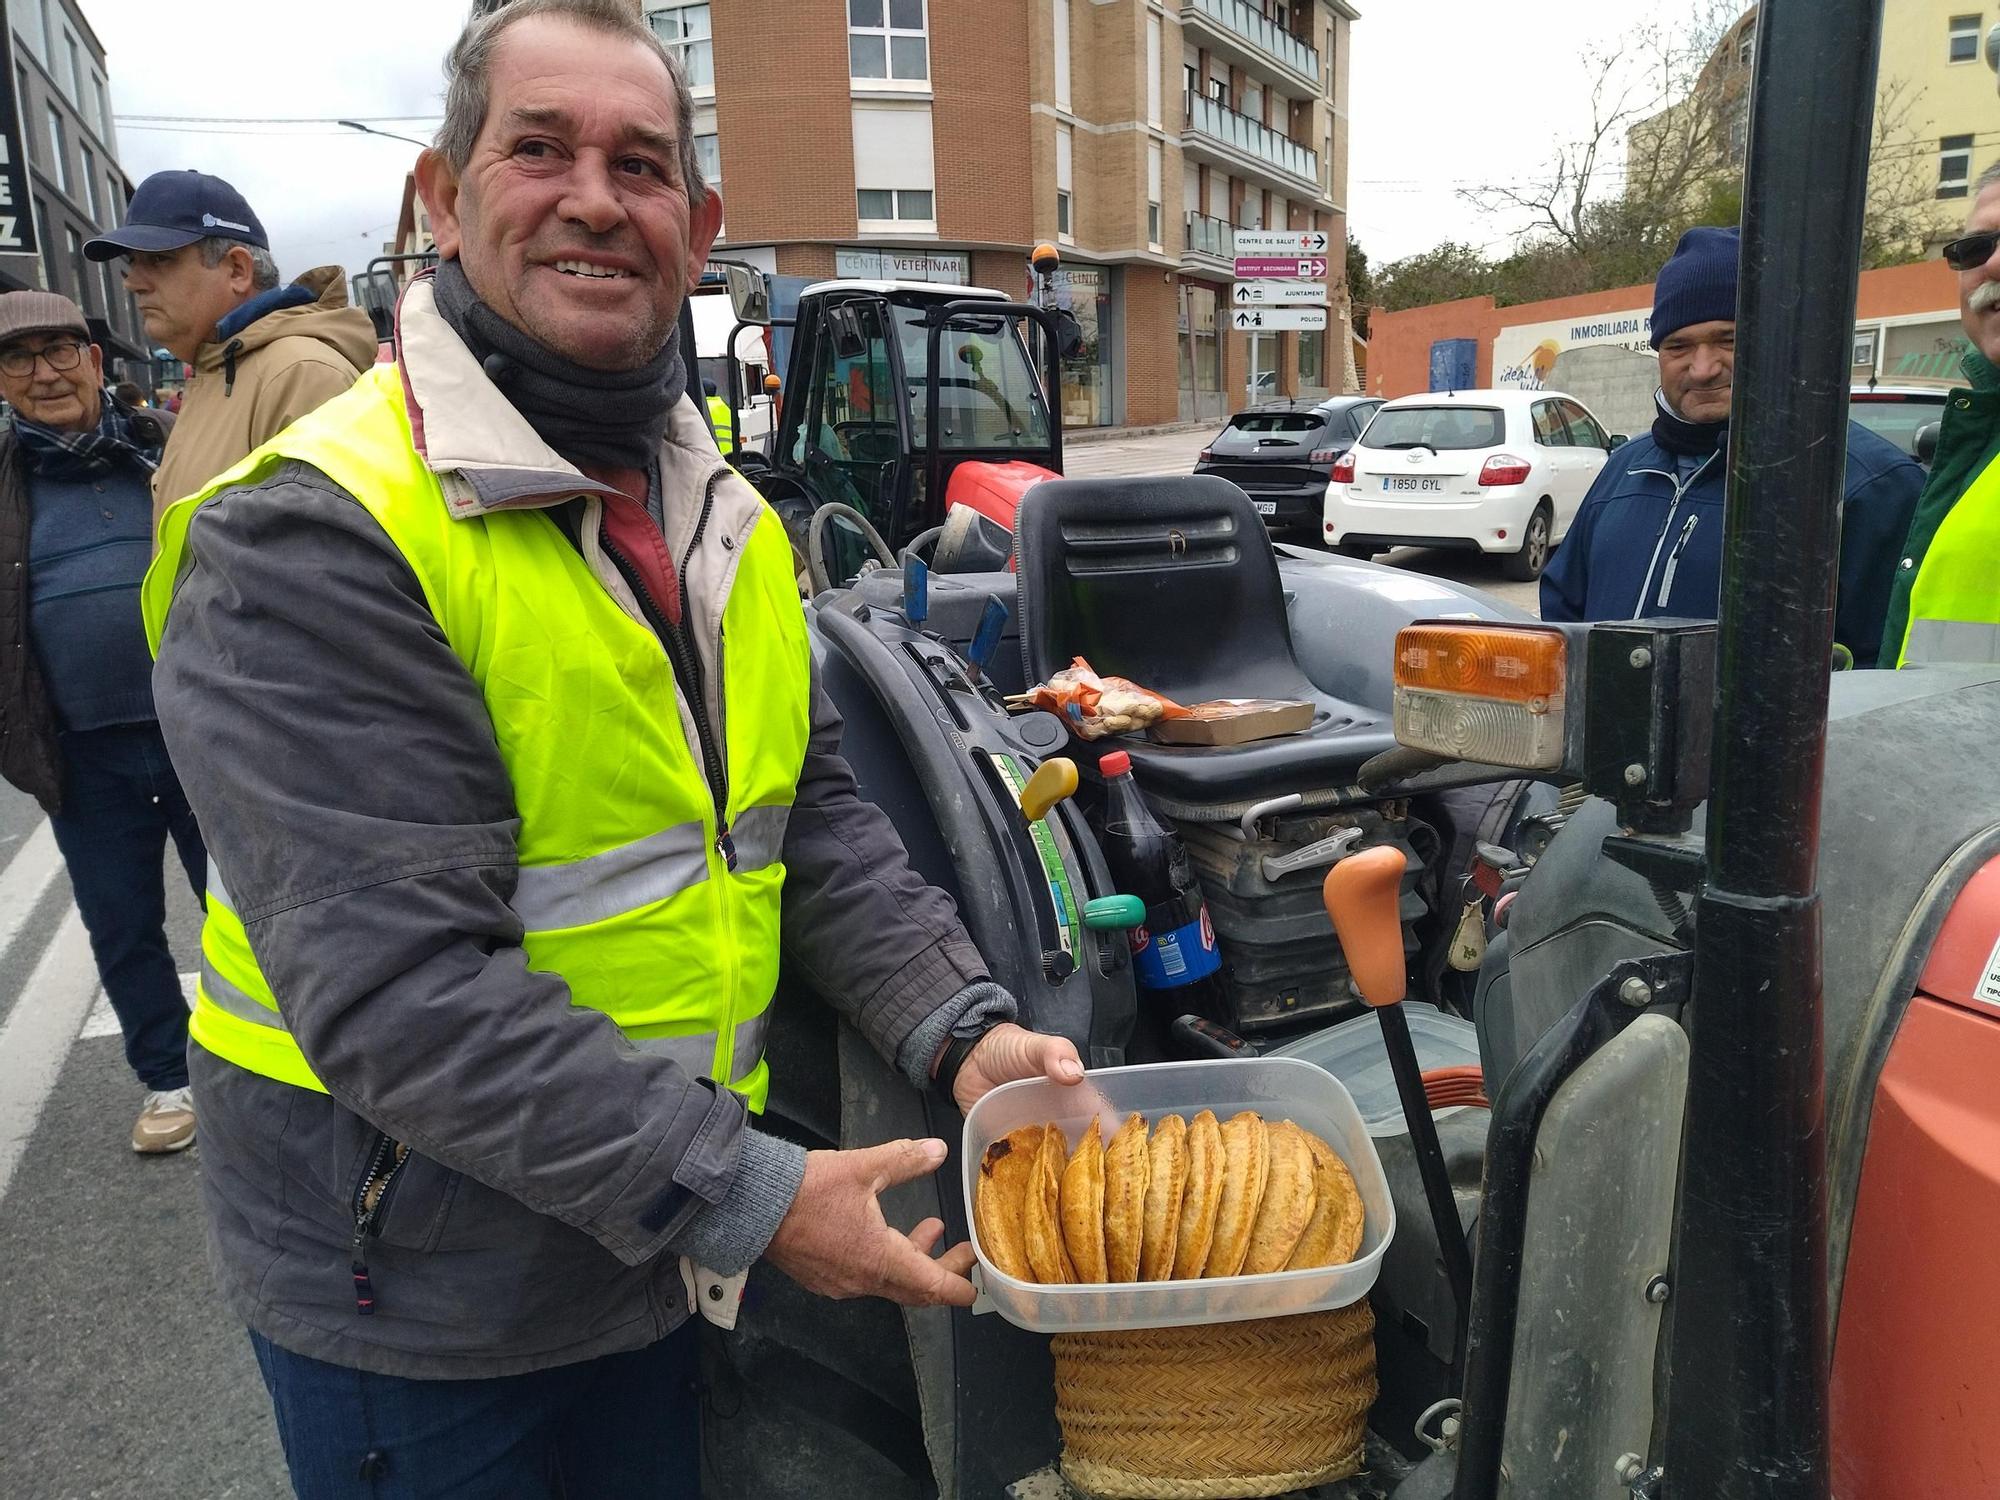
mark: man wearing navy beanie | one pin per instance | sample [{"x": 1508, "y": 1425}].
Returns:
[{"x": 1648, "y": 538}]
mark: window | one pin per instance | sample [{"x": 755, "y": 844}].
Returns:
[
  {"x": 1746, "y": 46},
  {"x": 1065, "y": 182},
  {"x": 684, "y": 28},
  {"x": 1153, "y": 64},
  {"x": 1739, "y": 133},
  {"x": 708, "y": 155},
  {"x": 90, "y": 185},
  {"x": 904, "y": 205},
  {"x": 59, "y": 150},
  {"x": 79, "y": 273},
  {"x": 1954, "y": 166},
  {"x": 1549, "y": 429},
  {"x": 112, "y": 288},
  {"x": 886, "y": 40},
  {"x": 1962, "y": 39},
  {"x": 1584, "y": 430},
  {"x": 1155, "y": 197},
  {"x": 1061, "y": 22},
  {"x": 1311, "y": 364},
  {"x": 103, "y": 108},
  {"x": 1218, "y": 90},
  {"x": 75, "y": 68},
  {"x": 1190, "y": 87}
]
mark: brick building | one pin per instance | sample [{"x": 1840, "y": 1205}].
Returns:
[{"x": 942, "y": 139}]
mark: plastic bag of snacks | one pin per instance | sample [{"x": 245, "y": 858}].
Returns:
[{"x": 1095, "y": 706}]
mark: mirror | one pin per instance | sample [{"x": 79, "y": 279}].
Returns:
[
  {"x": 1618, "y": 440},
  {"x": 844, "y": 328},
  {"x": 1926, "y": 444},
  {"x": 749, "y": 293}
]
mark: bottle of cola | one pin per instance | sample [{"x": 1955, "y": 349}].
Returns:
[{"x": 1174, "y": 956}]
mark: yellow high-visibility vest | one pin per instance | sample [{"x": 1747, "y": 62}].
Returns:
[
  {"x": 1955, "y": 601},
  {"x": 652, "y": 909}
]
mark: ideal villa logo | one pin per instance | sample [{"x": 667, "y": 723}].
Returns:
[{"x": 1525, "y": 356}]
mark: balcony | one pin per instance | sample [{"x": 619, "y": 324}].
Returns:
[
  {"x": 1222, "y": 136},
  {"x": 1210, "y": 238},
  {"x": 1251, "y": 38}
]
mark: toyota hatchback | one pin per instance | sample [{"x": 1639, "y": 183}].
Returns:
[{"x": 1500, "y": 471}]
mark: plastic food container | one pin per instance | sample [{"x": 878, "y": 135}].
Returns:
[
  {"x": 1278, "y": 1088},
  {"x": 1355, "y": 1053}
]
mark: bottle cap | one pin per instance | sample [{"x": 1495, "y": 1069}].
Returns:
[{"x": 1114, "y": 763}]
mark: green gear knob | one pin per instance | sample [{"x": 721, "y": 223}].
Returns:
[{"x": 1113, "y": 913}]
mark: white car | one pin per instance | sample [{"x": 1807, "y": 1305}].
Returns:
[{"x": 1503, "y": 471}]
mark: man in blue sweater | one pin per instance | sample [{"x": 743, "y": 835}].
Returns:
[
  {"x": 77, "y": 729},
  {"x": 1648, "y": 539}
]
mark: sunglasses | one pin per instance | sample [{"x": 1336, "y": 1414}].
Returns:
[{"x": 1972, "y": 251}]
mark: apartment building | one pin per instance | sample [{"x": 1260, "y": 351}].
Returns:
[
  {"x": 941, "y": 140},
  {"x": 60, "y": 182}
]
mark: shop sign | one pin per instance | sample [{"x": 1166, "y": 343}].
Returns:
[
  {"x": 951, "y": 267},
  {"x": 1524, "y": 356}
]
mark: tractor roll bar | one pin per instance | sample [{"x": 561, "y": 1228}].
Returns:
[
  {"x": 936, "y": 319},
  {"x": 1747, "y": 1396}
]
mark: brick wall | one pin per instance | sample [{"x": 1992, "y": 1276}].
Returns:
[
  {"x": 1152, "y": 351},
  {"x": 815, "y": 261},
  {"x": 980, "y": 124},
  {"x": 774, "y": 106}
]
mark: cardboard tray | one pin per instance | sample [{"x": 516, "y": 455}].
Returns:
[{"x": 1235, "y": 721}]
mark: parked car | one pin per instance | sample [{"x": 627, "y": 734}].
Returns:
[
  {"x": 1900, "y": 413},
  {"x": 1281, "y": 455},
  {"x": 1502, "y": 471}
]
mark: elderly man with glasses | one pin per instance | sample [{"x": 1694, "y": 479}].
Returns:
[
  {"x": 1946, "y": 602},
  {"x": 77, "y": 727}
]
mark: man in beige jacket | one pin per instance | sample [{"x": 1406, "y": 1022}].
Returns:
[{"x": 199, "y": 265}]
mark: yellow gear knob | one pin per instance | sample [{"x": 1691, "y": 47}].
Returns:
[{"x": 1053, "y": 780}]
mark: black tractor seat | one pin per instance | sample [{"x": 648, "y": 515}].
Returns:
[{"x": 1170, "y": 581}]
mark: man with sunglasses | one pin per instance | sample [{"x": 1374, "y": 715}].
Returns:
[
  {"x": 1945, "y": 605},
  {"x": 77, "y": 727}
]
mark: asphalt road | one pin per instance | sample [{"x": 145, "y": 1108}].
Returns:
[{"x": 120, "y": 1373}]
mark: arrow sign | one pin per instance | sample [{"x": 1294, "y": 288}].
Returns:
[
  {"x": 1274, "y": 319},
  {"x": 1278, "y": 294},
  {"x": 1251, "y": 267},
  {"x": 1289, "y": 243}
]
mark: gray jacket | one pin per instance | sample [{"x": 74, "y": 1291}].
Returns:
[{"x": 344, "y": 769}]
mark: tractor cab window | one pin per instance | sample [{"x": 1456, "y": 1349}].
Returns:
[
  {"x": 849, "y": 443},
  {"x": 988, "y": 396}
]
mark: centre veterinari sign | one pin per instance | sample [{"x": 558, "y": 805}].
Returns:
[{"x": 1525, "y": 355}]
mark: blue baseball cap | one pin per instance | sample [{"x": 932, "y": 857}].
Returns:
[{"x": 172, "y": 209}]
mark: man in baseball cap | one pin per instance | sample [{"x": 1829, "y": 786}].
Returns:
[
  {"x": 76, "y": 691},
  {"x": 198, "y": 262}
]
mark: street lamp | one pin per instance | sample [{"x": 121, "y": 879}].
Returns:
[{"x": 387, "y": 135}]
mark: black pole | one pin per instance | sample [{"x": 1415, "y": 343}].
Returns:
[
  {"x": 1431, "y": 1167},
  {"x": 1747, "y": 1404}
]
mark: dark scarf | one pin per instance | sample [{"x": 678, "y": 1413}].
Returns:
[
  {"x": 1678, "y": 435},
  {"x": 605, "y": 418},
  {"x": 85, "y": 455}
]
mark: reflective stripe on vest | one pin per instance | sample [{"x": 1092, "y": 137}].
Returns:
[
  {"x": 1955, "y": 601},
  {"x": 628, "y": 888}
]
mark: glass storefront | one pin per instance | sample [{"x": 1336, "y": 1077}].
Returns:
[{"x": 1085, "y": 291}]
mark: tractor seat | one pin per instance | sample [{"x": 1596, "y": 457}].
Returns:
[{"x": 1170, "y": 581}]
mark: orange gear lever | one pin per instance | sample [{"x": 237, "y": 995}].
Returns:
[{"x": 1364, "y": 896}]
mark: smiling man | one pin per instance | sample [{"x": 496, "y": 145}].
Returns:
[
  {"x": 506, "y": 840},
  {"x": 1647, "y": 540},
  {"x": 198, "y": 263},
  {"x": 1946, "y": 603}
]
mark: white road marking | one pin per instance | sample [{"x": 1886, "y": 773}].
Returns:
[
  {"x": 38, "y": 1034},
  {"x": 27, "y": 877},
  {"x": 103, "y": 1020}
]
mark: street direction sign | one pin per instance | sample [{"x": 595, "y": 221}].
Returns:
[
  {"x": 1278, "y": 294},
  {"x": 1289, "y": 243},
  {"x": 1250, "y": 267},
  {"x": 1273, "y": 319}
]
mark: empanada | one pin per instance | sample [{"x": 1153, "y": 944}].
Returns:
[
  {"x": 1289, "y": 1199},
  {"x": 1005, "y": 1172},
  {"x": 1333, "y": 1236},
  {"x": 1082, "y": 1203},
  {"x": 1246, "y": 1160},
  {"x": 1200, "y": 1198},
  {"x": 1126, "y": 1167}
]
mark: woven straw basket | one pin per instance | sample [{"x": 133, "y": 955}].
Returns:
[{"x": 1218, "y": 1410}]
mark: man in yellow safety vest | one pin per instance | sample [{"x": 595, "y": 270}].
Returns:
[
  {"x": 1945, "y": 605},
  {"x": 505, "y": 840}
]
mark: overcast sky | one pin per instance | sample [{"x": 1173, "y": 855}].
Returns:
[{"x": 1445, "y": 93}]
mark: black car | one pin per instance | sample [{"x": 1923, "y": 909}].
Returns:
[{"x": 1281, "y": 454}]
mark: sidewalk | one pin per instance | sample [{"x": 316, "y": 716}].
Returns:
[{"x": 1079, "y": 437}]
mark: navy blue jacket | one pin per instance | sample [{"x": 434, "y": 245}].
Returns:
[{"x": 1642, "y": 544}]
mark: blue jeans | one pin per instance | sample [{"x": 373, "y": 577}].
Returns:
[
  {"x": 621, "y": 1427},
  {"x": 121, "y": 803}
]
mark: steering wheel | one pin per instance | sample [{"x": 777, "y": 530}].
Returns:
[{"x": 816, "y": 534}]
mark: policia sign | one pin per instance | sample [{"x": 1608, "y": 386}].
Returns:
[{"x": 17, "y": 219}]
